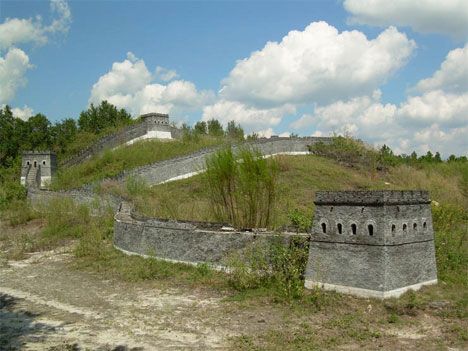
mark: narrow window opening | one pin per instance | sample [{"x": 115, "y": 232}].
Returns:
[
  {"x": 28, "y": 163},
  {"x": 324, "y": 228},
  {"x": 35, "y": 164},
  {"x": 353, "y": 228},
  {"x": 393, "y": 229},
  {"x": 331, "y": 209},
  {"x": 340, "y": 228},
  {"x": 370, "y": 228},
  {"x": 415, "y": 226},
  {"x": 425, "y": 225},
  {"x": 362, "y": 209},
  {"x": 404, "y": 227},
  {"x": 43, "y": 163}
]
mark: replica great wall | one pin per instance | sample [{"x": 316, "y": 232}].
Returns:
[{"x": 367, "y": 243}]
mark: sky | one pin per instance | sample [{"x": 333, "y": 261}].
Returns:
[{"x": 387, "y": 72}]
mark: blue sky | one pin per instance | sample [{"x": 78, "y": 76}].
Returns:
[{"x": 350, "y": 67}]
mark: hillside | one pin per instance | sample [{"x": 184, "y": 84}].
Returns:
[
  {"x": 66, "y": 246},
  {"x": 298, "y": 179}
]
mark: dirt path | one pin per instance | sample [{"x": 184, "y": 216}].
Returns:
[{"x": 45, "y": 304}]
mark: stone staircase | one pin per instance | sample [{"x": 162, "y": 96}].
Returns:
[{"x": 32, "y": 177}]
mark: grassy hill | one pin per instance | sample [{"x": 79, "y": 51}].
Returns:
[
  {"x": 298, "y": 179},
  {"x": 112, "y": 162},
  {"x": 316, "y": 319}
]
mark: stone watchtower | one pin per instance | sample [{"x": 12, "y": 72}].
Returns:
[
  {"x": 157, "y": 125},
  {"x": 372, "y": 243},
  {"x": 38, "y": 168}
]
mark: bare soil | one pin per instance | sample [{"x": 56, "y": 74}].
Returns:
[{"x": 48, "y": 304}]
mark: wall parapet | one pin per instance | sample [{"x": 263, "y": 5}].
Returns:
[{"x": 185, "y": 241}]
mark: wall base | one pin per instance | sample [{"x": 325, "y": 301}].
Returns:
[{"x": 309, "y": 284}]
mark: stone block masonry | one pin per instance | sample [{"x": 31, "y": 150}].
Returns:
[
  {"x": 187, "y": 242},
  {"x": 372, "y": 243}
]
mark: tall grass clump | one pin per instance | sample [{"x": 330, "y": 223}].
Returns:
[
  {"x": 276, "y": 267},
  {"x": 451, "y": 242},
  {"x": 242, "y": 187}
]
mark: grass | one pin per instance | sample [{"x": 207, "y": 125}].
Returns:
[
  {"x": 113, "y": 162},
  {"x": 308, "y": 319}
]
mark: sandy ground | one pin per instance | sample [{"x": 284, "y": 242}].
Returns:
[{"x": 46, "y": 304}]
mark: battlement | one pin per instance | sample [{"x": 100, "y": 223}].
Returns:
[
  {"x": 38, "y": 153},
  {"x": 372, "y": 243},
  {"x": 156, "y": 118},
  {"x": 372, "y": 198}
]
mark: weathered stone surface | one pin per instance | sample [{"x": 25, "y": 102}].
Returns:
[
  {"x": 372, "y": 243},
  {"x": 183, "y": 241}
]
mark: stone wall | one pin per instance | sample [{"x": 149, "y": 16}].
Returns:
[
  {"x": 108, "y": 142},
  {"x": 97, "y": 203},
  {"x": 189, "y": 242},
  {"x": 186, "y": 166},
  {"x": 372, "y": 243}
]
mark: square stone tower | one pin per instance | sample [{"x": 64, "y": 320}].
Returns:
[
  {"x": 38, "y": 168},
  {"x": 157, "y": 125},
  {"x": 372, "y": 243}
]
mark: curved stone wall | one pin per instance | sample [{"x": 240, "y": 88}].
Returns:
[
  {"x": 186, "y": 166},
  {"x": 188, "y": 242}
]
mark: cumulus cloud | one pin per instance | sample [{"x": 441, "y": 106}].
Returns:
[
  {"x": 360, "y": 116},
  {"x": 165, "y": 74},
  {"x": 130, "y": 85},
  {"x": 15, "y": 31},
  {"x": 13, "y": 69},
  {"x": 436, "y": 106},
  {"x": 14, "y": 63},
  {"x": 251, "y": 118},
  {"x": 317, "y": 64},
  {"x": 22, "y": 112},
  {"x": 427, "y": 16},
  {"x": 436, "y": 120},
  {"x": 452, "y": 75}
]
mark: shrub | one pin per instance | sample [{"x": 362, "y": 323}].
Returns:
[
  {"x": 277, "y": 266},
  {"x": 241, "y": 190},
  {"x": 300, "y": 220}
]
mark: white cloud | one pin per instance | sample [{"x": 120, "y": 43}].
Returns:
[
  {"x": 318, "y": 64},
  {"x": 165, "y": 74},
  {"x": 452, "y": 75},
  {"x": 16, "y": 31},
  {"x": 427, "y": 16},
  {"x": 363, "y": 116},
  {"x": 251, "y": 118},
  {"x": 130, "y": 85},
  {"x": 436, "y": 107},
  {"x": 22, "y": 112},
  {"x": 13, "y": 68}
]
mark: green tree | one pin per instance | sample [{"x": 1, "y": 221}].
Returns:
[
  {"x": 234, "y": 131},
  {"x": 64, "y": 133},
  {"x": 97, "y": 119},
  {"x": 200, "y": 127},
  {"x": 215, "y": 128}
]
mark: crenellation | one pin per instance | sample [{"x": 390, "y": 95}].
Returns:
[{"x": 351, "y": 225}]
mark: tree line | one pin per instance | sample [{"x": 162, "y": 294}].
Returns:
[{"x": 38, "y": 133}]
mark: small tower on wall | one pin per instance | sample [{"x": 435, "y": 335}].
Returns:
[
  {"x": 38, "y": 168},
  {"x": 372, "y": 243},
  {"x": 157, "y": 126}
]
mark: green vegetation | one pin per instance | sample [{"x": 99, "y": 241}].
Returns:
[
  {"x": 112, "y": 162},
  {"x": 241, "y": 187},
  {"x": 266, "y": 275}
]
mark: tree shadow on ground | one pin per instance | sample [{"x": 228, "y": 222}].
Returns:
[
  {"x": 18, "y": 327},
  {"x": 17, "y": 324}
]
